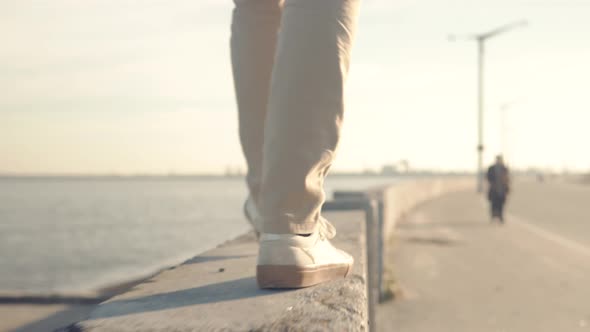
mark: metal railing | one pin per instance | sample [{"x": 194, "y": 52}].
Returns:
[{"x": 373, "y": 208}]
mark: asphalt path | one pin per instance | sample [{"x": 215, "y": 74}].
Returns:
[{"x": 456, "y": 271}]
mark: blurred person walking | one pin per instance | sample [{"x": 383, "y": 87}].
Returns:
[
  {"x": 499, "y": 186},
  {"x": 290, "y": 60}
]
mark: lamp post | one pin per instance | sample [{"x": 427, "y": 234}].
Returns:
[{"x": 481, "y": 39}]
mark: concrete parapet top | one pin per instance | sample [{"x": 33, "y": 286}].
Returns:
[{"x": 217, "y": 291}]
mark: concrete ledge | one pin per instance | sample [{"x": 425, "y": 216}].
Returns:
[
  {"x": 217, "y": 291},
  {"x": 399, "y": 199}
]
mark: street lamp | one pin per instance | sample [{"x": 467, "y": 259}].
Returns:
[{"x": 481, "y": 39}]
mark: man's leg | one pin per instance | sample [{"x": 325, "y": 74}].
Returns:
[
  {"x": 492, "y": 210},
  {"x": 255, "y": 25},
  {"x": 305, "y": 111},
  {"x": 494, "y": 207},
  {"x": 501, "y": 204}
]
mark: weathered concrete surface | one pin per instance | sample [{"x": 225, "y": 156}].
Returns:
[
  {"x": 217, "y": 291},
  {"x": 457, "y": 272}
]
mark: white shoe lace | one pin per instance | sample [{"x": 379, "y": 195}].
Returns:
[{"x": 326, "y": 229}]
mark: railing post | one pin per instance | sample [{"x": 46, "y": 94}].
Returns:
[
  {"x": 373, "y": 208},
  {"x": 372, "y": 261},
  {"x": 380, "y": 248}
]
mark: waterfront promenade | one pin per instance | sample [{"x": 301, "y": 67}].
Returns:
[{"x": 454, "y": 271}]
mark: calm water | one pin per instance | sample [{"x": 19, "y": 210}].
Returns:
[{"x": 74, "y": 235}]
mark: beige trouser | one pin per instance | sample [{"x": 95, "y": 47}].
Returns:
[{"x": 290, "y": 60}]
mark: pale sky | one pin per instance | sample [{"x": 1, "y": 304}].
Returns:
[{"x": 122, "y": 86}]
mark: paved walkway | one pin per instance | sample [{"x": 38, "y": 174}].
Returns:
[{"x": 458, "y": 272}]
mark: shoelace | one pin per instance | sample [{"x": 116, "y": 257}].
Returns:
[{"x": 326, "y": 229}]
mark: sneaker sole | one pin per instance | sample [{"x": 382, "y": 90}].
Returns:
[{"x": 287, "y": 276}]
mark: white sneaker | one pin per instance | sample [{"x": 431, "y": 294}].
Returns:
[
  {"x": 252, "y": 215},
  {"x": 294, "y": 261}
]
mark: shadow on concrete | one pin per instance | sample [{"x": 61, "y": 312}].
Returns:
[
  {"x": 453, "y": 224},
  {"x": 58, "y": 320},
  {"x": 203, "y": 259},
  {"x": 219, "y": 292},
  {"x": 439, "y": 241}
]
